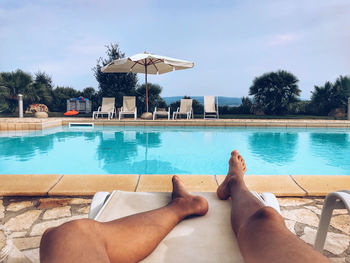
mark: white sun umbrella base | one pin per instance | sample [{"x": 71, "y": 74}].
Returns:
[{"x": 148, "y": 64}]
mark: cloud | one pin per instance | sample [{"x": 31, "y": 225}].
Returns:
[{"x": 282, "y": 39}]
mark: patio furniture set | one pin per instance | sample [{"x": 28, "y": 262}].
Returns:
[{"x": 211, "y": 109}]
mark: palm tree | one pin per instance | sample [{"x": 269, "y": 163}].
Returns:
[
  {"x": 273, "y": 92},
  {"x": 19, "y": 82},
  {"x": 13, "y": 83},
  {"x": 321, "y": 98},
  {"x": 331, "y": 95}
]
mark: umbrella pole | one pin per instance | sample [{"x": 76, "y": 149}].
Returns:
[{"x": 146, "y": 88}]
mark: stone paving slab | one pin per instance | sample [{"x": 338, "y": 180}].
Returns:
[
  {"x": 28, "y": 217},
  {"x": 28, "y": 184},
  {"x": 87, "y": 184},
  {"x": 321, "y": 185}
]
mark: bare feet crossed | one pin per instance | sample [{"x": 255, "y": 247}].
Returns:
[
  {"x": 235, "y": 174},
  {"x": 189, "y": 204}
]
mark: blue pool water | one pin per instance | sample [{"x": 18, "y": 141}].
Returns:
[{"x": 170, "y": 150}]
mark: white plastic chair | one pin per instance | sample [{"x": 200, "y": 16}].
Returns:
[
  {"x": 209, "y": 107},
  {"x": 184, "y": 109},
  {"x": 161, "y": 112},
  {"x": 107, "y": 108},
  {"x": 129, "y": 107},
  {"x": 335, "y": 200}
]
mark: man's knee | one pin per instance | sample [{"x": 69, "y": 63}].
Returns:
[
  {"x": 267, "y": 214},
  {"x": 70, "y": 231},
  {"x": 75, "y": 235},
  {"x": 265, "y": 217}
]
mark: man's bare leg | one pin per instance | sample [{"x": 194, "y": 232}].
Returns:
[
  {"x": 261, "y": 233},
  {"x": 129, "y": 239}
]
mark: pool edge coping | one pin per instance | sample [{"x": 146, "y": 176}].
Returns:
[
  {"x": 87, "y": 185},
  {"x": 27, "y": 124}
]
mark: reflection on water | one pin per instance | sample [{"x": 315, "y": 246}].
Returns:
[
  {"x": 127, "y": 152},
  {"x": 333, "y": 148},
  {"x": 27, "y": 147},
  {"x": 114, "y": 148},
  {"x": 178, "y": 150},
  {"x": 274, "y": 147}
]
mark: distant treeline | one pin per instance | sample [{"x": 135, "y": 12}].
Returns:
[
  {"x": 223, "y": 101},
  {"x": 273, "y": 93}
]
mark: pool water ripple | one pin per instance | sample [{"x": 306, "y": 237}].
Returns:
[{"x": 175, "y": 150}]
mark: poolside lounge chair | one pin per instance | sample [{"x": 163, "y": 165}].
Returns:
[
  {"x": 129, "y": 107},
  {"x": 184, "y": 109},
  {"x": 210, "y": 111},
  {"x": 161, "y": 112},
  {"x": 335, "y": 200},
  {"x": 107, "y": 108},
  {"x": 200, "y": 239}
]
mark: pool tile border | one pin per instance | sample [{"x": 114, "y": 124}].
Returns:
[
  {"x": 322, "y": 184},
  {"x": 17, "y": 124},
  {"x": 87, "y": 185},
  {"x": 280, "y": 185},
  {"x": 162, "y": 183},
  {"x": 27, "y": 184}
]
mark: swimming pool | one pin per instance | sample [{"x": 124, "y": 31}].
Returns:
[{"x": 175, "y": 150}]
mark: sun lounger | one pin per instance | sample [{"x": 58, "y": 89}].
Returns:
[
  {"x": 161, "y": 112},
  {"x": 107, "y": 108},
  {"x": 129, "y": 107},
  {"x": 335, "y": 200},
  {"x": 184, "y": 109},
  {"x": 210, "y": 111},
  {"x": 200, "y": 239}
]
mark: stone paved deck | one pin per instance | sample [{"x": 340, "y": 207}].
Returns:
[{"x": 28, "y": 217}]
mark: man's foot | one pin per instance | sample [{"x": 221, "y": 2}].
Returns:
[
  {"x": 235, "y": 173},
  {"x": 189, "y": 204}
]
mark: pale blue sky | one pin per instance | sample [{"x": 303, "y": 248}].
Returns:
[{"x": 230, "y": 42}]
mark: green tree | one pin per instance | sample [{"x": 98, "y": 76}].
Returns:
[
  {"x": 92, "y": 95},
  {"x": 321, "y": 99},
  {"x": 246, "y": 106},
  {"x": 340, "y": 92},
  {"x": 302, "y": 107},
  {"x": 40, "y": 90},
  {"x": 154, "y": 99},
  {"x": 274, "y": 91},
  {"x": 114, "y": 84},
  {"x": 4, "y": 94},
  {"x": 60, "y": 97},
  {"x": 331, "y": 96},
  {"x": 12, "y": 84}
]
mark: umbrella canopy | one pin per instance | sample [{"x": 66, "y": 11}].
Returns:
[{"x": 148, "y": 64}]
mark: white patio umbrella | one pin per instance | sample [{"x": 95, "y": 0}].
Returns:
[{"x": 148, "y": 64}]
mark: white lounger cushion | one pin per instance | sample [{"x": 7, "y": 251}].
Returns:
[
  {"x": 201, "y": 239},
  {"x": 108, "y": 104},
  {"x": 185, "y": 105},
  {"x": 209, "y": 104},
  {"x": 129, "y": 103}
]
